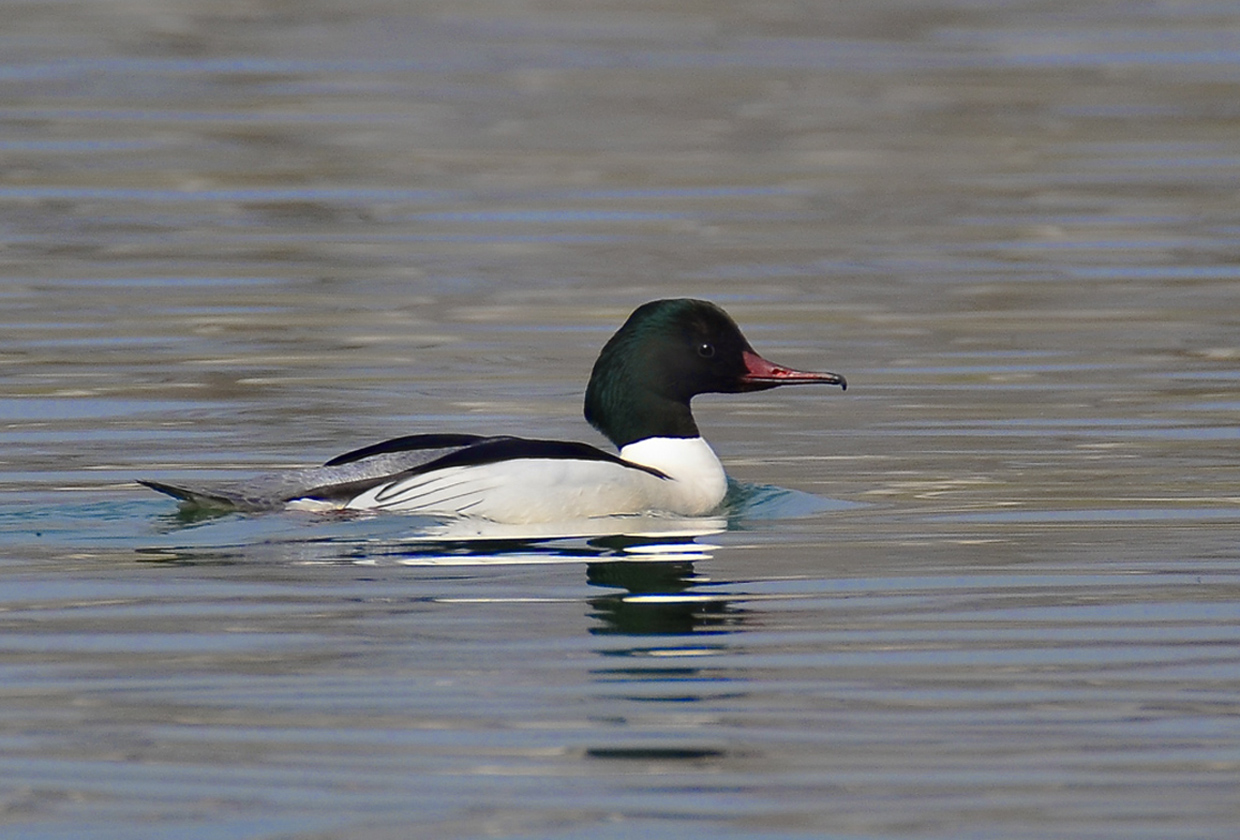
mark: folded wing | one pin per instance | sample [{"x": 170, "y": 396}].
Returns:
[{"x": 391, "y": 462}]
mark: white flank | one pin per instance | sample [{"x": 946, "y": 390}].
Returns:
[
  {"x": 527, "y": 490},
  {"x": 311, "y": 505}
]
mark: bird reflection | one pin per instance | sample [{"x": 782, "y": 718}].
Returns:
[
  {"x": 677, "y": 625},
  {"x": 657, "y": 600}
]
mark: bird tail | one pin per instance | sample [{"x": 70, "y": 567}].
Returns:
[{"x": 193, "y": 496}]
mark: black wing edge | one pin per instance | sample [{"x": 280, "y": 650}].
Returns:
[
  {"x": 494, "y": 449},
  {"x": 486, "y": 450},
  {"x": 407, "y": 443}
]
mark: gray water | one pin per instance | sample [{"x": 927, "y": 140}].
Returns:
[{"x": 992, "y": 591}]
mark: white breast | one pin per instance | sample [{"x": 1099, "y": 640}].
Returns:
[
  {"x": 698, "y": 483},
  {"x": 526, "y": 490}
]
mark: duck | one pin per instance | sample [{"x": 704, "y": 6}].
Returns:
[{"x": 638, "y": 396}]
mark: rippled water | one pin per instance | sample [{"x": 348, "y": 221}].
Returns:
[{"x": 991, "y": 591}]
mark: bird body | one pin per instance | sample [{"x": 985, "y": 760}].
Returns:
[{"x": 639, "y": 392}]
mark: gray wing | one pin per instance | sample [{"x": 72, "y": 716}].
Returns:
[{"x": 340, "y": 479}]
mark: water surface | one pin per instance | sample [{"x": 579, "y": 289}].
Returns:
[{"x": 991, "y": 591}]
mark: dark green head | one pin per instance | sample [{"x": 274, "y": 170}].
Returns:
[{"x": 664, "y": 355}]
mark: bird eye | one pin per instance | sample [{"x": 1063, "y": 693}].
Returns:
[{"x": 706, "y": 350}]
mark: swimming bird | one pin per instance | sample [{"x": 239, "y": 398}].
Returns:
[{"x": 665, "y": 354}]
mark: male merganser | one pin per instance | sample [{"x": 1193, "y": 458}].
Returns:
[{"x": 666, "y": 353}]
